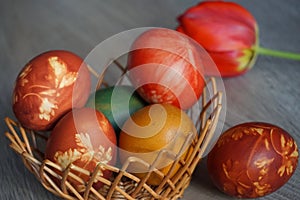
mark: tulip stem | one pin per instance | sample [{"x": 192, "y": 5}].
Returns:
[{"x": 276, "y": 53}]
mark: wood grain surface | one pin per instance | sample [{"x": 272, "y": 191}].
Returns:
[{"x": 270, "y": 92}]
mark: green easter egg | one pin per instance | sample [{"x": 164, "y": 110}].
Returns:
[{"x": 117, "y": 103}]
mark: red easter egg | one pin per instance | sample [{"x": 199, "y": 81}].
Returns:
[
  {"x": 252, "y": 160},
  {"x": 48, "y": 87},
  {"x": 85, "y": 138},
  {"x": 166, "y": 67}
]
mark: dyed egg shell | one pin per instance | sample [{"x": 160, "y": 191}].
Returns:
[
  {"x": 252, "y": 160},
  {"x": 166, "y": 67},
  {"x": 150, "y": 130},
  {"x": 117, "y": 103},
  {"x": 85, "y": 138},
  {"x": 48, "y": 87}
]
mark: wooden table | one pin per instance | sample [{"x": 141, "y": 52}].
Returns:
[{"x": 269, "y": 92}]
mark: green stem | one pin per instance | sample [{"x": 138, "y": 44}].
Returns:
[{"x": 276, "y": 53}]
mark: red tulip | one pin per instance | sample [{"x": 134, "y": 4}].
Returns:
[{"x": 229, "y": 33}]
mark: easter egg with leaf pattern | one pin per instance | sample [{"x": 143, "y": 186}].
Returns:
[
  {"x": 83, "y": 137},
  {"x": 49, "y": 86},
  {"x": 252, "y": 160}
]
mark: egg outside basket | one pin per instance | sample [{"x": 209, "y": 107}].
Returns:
[{"x": 30, "y": 146}]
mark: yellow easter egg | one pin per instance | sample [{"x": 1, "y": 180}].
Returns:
[{"x": 152, "y": 129}]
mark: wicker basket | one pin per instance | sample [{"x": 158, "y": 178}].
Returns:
[{"x": 123, "y": 185}]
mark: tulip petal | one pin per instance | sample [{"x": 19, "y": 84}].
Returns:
[
  {"x": 230, "y": 63},
  {"x": 219, "y": 26}
]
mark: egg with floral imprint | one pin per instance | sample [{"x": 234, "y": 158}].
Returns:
[
  {"x": 85, "y": 138},
  {"x": 252, "y": 160},
  {"x": 48, "y": 86}
]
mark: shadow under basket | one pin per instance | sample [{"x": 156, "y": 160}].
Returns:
[{"x": 29, "y": 145}]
